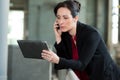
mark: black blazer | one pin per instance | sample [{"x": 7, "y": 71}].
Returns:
[{"x": 94, "y": 57}]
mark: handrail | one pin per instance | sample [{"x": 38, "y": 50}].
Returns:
[{"x": 71, "y": 75}]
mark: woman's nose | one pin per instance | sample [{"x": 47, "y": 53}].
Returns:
[{"x": 61, "y": 21}]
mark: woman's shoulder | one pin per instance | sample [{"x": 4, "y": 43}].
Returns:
[{"x": 86, "y": 29}]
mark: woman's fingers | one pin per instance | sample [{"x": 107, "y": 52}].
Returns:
[
  {"x": 50, "y": 56},
  {"x": 46, "y": 55}
]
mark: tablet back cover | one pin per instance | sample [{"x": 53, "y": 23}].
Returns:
[{"x": 32, "y": 48}]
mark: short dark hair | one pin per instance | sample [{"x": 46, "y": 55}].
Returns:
[{"x": 73, "y": 5}]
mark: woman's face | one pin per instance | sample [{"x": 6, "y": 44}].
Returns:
[{"x": 65, "y": 19}]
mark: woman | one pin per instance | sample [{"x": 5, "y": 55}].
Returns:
[{"x": 79, "y": 46}]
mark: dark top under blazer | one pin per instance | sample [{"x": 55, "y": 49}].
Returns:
[{"x": 94, "y": 57}]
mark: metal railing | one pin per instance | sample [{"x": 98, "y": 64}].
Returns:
[
  {"x": 67, "y": 74},
  {"x": 71, "y": 75}
]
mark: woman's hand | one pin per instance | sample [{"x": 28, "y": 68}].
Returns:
[
  {"x": 50, "y": 56},
  {"x": 57, "y": 32}
]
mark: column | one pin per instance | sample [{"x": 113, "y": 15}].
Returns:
[
  {"x": 101, "y": 17},
  {"x": 109, "y": 28},
  {"x": 4, "y": 8}
]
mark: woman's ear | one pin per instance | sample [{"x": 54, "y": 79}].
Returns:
[{"x": 76, "y": 18}]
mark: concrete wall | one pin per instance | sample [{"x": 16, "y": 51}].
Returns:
[
  {"x": 40, "y": 20},
  {"x": 20, "y": 68}
]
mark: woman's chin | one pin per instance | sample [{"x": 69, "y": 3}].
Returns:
[{"x": 63, "y": 30}]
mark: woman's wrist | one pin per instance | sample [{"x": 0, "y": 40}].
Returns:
[
  {"x": 58, "y": 40},
  {"x": 57, "y": 61}
]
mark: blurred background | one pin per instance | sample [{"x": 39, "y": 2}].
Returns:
[{"x": 33, "y": 20}]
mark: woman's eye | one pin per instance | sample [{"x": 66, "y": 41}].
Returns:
[
  {"x": 65, "y": 17},
  {"x": 58, "y": 17}
]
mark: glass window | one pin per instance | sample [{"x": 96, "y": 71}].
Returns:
[
  {"x": 115, "y": 16},
  {"x": 15, "y": 26}
]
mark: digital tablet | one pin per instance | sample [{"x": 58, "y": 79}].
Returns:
[{"x": 32, "y": 48}]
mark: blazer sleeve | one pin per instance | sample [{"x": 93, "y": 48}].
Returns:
[
  {"x": 60, "y": 49},
  {"x": 87, "y": 51}
]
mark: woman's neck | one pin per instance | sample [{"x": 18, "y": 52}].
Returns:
[{"x": 72, "y": 32}]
